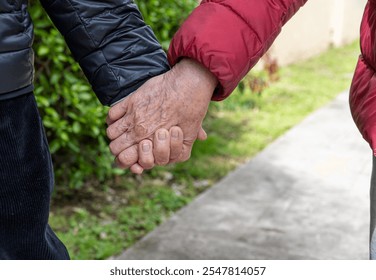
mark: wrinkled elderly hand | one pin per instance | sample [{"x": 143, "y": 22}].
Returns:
[{"x": 145, "y": 126}]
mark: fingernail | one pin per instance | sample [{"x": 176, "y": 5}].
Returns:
[
  {"x": 162, "y": 135},
  {"x": 174, "y": 133},
  {"x": 145, "y": 147}
]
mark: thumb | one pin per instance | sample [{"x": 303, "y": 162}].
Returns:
[{"x": 202, "y": 134}]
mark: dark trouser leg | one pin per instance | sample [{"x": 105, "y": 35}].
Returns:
[
  {"x": 26, "y": 182},
  {"x": 373, "y": 212}
]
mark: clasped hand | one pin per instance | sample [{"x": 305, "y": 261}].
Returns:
[{"x": 159, "y": 123}]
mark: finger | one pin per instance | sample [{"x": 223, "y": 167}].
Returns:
[
  {"x": 136, "y": 169},
  {"x": 108, "y": 121},
  {"x": 186, "y": 153},
  {"x": 117, "y": 128},
  {"x": 145, "y": 154},
  {"x": 117, "y": 111},
  {"x": 176, "y": 143},
  {"x": 127, "y": 158},
  {"x": 122, "y": 143},
  {"x": 161, "y": 146},
  {"x": 202, "y": 134}
]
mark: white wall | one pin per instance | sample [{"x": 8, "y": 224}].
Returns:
[{"x": 317, "y": 26}]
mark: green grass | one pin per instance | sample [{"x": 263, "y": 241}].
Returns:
[
  {"x": 100, "y": 221},
  {"x": 113, "y": 220}
]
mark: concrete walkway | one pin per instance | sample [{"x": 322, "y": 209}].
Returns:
[{"x": 304, "y": 197}]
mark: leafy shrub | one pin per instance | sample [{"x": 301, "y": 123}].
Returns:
[
  {"x": 165, "y": 16},
  {"x": 73, "y": 117}
]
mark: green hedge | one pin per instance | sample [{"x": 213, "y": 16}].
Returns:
[
  {"x": 73, "y": 117},
  {"x": 165, "y": 16}
]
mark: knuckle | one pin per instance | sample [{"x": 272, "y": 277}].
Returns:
[
  {"x": 141, "y": 130},
  {"x": 124, "y": 161},
  {"x": 113, "y": 148},
  {"x": 124, "y": 104},
  {"x": 110, "y": 133},
  {"x": 119, "y": 164},
  {"x": 124, "y": 158},
  {"x": 111, "y": 115},
  {"x": 123, "y": 125},
  {"x": 116, "y": 130}
]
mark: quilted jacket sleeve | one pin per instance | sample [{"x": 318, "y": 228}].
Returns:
[
  {"x": 229, "y": 36},
  {"x": 363, "y": 87},
  {"x": 116, "y": 50}
]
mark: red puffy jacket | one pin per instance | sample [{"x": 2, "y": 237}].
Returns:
[
  {"x": 229, "y": 36},
  {"x": 363, "y": 88}
]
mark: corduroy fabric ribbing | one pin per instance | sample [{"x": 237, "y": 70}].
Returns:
[{"x": 26, "y": 183}]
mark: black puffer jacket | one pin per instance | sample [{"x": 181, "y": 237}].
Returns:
[
  {"x": 117, "y": 51},
  {"x": 16, "y": 55}
]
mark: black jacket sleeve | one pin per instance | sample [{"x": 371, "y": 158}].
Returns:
[{"x": 116, "y": 50}]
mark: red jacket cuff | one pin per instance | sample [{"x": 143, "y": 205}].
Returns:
[{"x": 229, "y": 37}]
